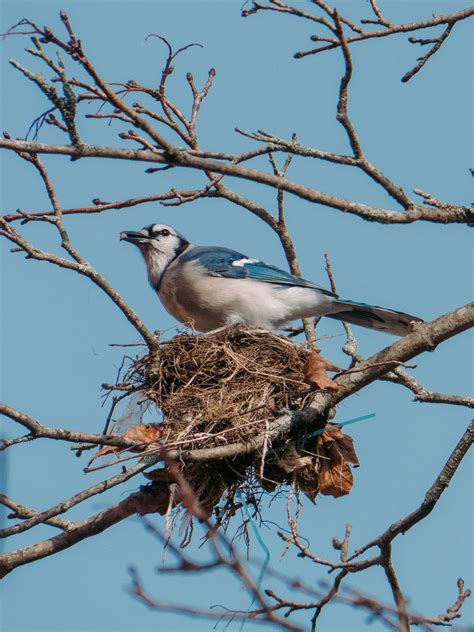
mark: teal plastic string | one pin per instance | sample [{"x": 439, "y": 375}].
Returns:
[
  {"x": 262, "y": 545},
  {"x": 343, "y": 423}
]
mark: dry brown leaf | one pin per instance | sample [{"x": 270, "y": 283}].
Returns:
[
  {"x": 335, "y": 474},
  {"x": 330, "y": 471},
  {"x": 145, "y": 433},
  {"x": 315, "y": 371},
  {"x": 339, "y": 446},
  {"x": 335, "y": 479}
]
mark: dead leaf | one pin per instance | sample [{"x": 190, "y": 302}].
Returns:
[
  {"x": 339, "y": 446},
  {"x": 315, "y": 371},
  {"x": 335, "y": 479},
  {"x": 335, "y": 474},
  {"x": 330, "y": 471},
  {"x": 147, "y": 433},
  {"x": 144, "y": 433}
]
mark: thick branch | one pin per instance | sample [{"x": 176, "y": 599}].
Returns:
[
  {"x": 141, "y": 502},
  {"x": 78, "y": 498},
  {"x": 425, "y": 337}
]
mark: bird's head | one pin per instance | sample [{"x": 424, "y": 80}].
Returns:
[
  {"x": 158, "y": 238},
  {"x": 159, "y": 245}
]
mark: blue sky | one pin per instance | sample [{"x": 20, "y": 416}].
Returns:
[{"x": 57, "y": 328}]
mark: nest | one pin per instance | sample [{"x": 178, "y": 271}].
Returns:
[
  {"x": 221, "y": 387},
  {"x": 225, "y": 388}
]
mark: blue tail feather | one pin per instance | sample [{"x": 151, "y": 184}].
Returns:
[{"x": 374, "y": 317}]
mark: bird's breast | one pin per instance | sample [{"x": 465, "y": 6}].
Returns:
[{"x": 189, "y": 296}]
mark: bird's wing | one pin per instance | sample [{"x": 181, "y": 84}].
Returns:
[{"x": 234, "y": 265}]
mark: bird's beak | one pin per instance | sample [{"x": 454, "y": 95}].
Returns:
[{"x": 134, "y": 237}]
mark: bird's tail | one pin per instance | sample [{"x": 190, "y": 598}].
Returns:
[{"x": 373, "y": 317}]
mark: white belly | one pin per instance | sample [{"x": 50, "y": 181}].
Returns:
[{"x": 206, "y": 302}]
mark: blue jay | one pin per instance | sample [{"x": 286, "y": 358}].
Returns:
[{"x": 210, "y": 287}]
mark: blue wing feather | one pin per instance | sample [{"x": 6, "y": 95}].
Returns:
[
  {"x": 234, "y": 265},
  {"x": 215, "y": 260}
]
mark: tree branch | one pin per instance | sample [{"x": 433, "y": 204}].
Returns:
[
  {"x": 456, "y": 215},
  {"x": 431, "y": 497},
  {"x": 141, "y": 502}
]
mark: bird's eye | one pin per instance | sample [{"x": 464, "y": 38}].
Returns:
[{"x": 165, "y": 232}]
